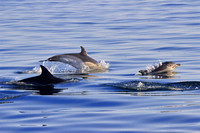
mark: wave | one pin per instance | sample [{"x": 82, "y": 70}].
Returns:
[
  {"x": 153, "y": 86},
  {"x": 10, "y": 95}
]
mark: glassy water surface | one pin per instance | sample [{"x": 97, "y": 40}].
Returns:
[{"x": 129, "y": 35}]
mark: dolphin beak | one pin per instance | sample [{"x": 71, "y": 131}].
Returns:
[
  {"x": 177, "y": 65},
  {"x": 43, "y": 60}
]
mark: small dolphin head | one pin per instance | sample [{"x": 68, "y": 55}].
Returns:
[
  {"x": 170, "y": 66},
  {"x": 54, "y": 58}
]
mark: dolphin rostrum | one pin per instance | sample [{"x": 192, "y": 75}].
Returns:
[
  {"x": 162, "y": 68},
  {"x": 45, "y": 78},
  {"x": 78, "y": 60}
]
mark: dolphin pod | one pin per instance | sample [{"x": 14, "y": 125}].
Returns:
[{"x": 77, "y": 60}]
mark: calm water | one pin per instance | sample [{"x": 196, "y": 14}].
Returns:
[{"x": 126, "y": 34}]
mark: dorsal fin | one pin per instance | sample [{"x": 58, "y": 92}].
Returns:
[
  {"x": 83, "y": 52},
  {"x": 45, "y": 72}
]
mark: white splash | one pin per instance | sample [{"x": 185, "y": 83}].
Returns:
[
  {"x": 104, "y": 64},
  {"x": 151, "y": 68},
  {"x": 33, "y": 71},
  {"x": 63, "y": 68},
  {"x": 140, "y": 84},
  {"x": 138, "y": 74},
  {"x": 58, "y": 67}
]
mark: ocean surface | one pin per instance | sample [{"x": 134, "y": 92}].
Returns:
[{"x": 128, "y": 35}]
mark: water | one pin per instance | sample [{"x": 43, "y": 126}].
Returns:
[{"x": 129, "y": 35}]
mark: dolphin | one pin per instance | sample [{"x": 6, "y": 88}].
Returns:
[
  {"x": 162, "y": 68},
  {"x": 78, "y": 60},
  {"x": 45, "y": 78}
]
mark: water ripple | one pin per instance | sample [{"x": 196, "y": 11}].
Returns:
[{"x": 127, "y": 34}]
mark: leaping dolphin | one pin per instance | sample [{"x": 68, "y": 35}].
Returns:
[
  {"x": 162, "y": 68},
  {"x": 77, "y": 60},
  {"x": 45, "y": 78}
]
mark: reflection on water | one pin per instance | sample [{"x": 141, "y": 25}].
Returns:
[
  {"x": 167, "y": 75},
  {"x": 41, "y": 90},
  {"x": 47, "y": 90},
  {"x": 9, "y": 96}
]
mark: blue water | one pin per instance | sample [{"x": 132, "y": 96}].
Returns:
[{"x": 129, "y": 35}]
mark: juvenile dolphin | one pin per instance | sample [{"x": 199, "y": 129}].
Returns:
[
  {"x": 162, "y": 68},
  {"x": 45, "y": 78},
  {"x": 77, "y": 60}
]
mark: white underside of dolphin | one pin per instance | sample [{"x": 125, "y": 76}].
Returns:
[{"x": 74, "y": 61}]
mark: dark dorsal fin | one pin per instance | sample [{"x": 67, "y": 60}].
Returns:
[
  {"x": 45, "y": 78},
  {"x": 45, "y": 72},
  {"x": 83, "y": 52}
]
